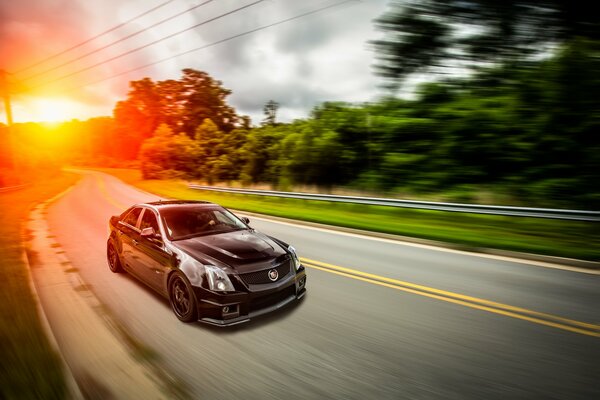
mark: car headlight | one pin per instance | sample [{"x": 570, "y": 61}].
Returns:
[
  {"x": 295, "y": 258},
  {"x": 218, "y": 279}
]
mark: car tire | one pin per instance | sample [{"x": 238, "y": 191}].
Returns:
[
  {"x": 114, "y": 262},
  {"x": 182, "y": 298}
]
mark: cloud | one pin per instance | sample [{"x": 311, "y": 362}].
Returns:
[
  {"x": 31, "y": 30},
  {"x": 322, "y": 57}
]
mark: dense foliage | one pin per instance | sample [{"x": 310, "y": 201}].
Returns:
[
  {"x": 519, "y": 125},
  {"x": 528, "y": 133},
  {"x": 436, "y": 36}
]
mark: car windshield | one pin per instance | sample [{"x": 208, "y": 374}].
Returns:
[{"x": 189, "y": 221}]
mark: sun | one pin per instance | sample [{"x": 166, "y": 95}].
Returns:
[{"x": 52, "y": 109}]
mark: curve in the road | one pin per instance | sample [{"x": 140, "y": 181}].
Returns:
[
  {"x": 507, "y": 310},
  {"x": 351, "y": 338}
]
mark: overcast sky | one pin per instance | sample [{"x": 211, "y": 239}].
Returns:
[{"x": 322, "y": 57}]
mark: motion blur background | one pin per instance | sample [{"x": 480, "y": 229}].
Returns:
[
  {"x": 470, "y": 101},
  {"x": 493, "y": 102}
]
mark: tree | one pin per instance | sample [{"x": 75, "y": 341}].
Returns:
[
  {"x": 270, "y": 111},
  {"x": 219, "y": 154},
  {"x": 208, "y": 139},
  {"x": 171, "y": 102},
  {"x": 260, "y": 152},
  {"x": 137, "y": 117},
  {"x": 167, "y": 155},
  {"x": 434, "y": 35},
  {"x": 131, "y": 128},
  {"x": 181, "y": 104},
  {"x": 202, "y": 98}
]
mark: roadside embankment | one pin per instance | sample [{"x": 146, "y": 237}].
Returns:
[
  {"x": 104, "y": 360},
  {"x": 31, "y": 368}
]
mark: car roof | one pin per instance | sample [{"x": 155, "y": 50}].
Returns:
[
  {"x": 163, "y": 203},
  {"x": 169, "y": 204},
  {"x": 175, "y": 202}
]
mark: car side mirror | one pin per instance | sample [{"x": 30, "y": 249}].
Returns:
[
  {"x": 246, "y": 220},
  {"x": 149, "y": 233}
]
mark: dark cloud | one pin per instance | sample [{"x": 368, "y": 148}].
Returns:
[
  {"x": 307, "y": 35},
  {"x": 295, "y": 98},
  {"x": 298, "y": 64}
]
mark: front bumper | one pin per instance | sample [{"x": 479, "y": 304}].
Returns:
[{"x": 226, "y": 309}]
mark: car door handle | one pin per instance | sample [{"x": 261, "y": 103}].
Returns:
[{"x": 135, "y": 242}]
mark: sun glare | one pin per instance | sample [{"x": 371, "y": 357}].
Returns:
[{"x": 52, "y": 109}]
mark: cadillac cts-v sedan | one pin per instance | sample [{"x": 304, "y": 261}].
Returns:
[{"x": 210, "y": 264}]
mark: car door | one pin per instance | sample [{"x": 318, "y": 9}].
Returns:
[
  {"x": 153, "y": 259},
  {"x": 129, "y": 235}
]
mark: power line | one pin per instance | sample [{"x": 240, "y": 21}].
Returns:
[
  {"x": 94, "y": 37},
  {"x": 305, "y": 14},
  {"x": 148, "y": 45},
  {"x": 117, "y": 41}
]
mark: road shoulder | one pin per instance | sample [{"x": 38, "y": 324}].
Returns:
[{"x": 101, "y": 357}]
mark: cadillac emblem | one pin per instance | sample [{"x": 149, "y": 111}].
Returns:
[{"x": 273, "y": 275}]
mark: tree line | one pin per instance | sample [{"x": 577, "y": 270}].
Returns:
[
  {"x": 521, "y": 122},
  {"x": 531, "y": 133}
]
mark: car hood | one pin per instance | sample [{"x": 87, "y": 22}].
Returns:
[{"x": 242, "y": 250}]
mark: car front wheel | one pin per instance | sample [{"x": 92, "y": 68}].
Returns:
[{"x": 182, "y": 298}]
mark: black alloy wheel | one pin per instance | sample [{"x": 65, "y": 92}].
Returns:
[
  {"x": 182, "y": 298},
  {"x": 114, "y": 263}
]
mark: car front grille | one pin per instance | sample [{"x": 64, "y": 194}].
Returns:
[
  {"x": 271, "y": 299},
  {"x": 260, "y": 277}
]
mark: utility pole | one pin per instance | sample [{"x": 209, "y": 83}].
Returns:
[
  {"x": 6, "y": 96},
  {"x": 5, "y": 90}
]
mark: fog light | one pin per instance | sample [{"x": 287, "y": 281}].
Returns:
[{"x": 231, "y": 311}]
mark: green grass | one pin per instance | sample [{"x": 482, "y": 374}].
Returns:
[
  {"x": 30, "y": 369},
  {"x": 572, "y": 239}
]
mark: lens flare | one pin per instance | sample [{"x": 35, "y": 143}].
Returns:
[{"x": 52, "y": 109}]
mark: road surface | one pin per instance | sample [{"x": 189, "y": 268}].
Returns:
[{"x": 381, "y": 320}]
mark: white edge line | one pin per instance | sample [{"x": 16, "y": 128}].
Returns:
[
  {"x": 430, "y": 247},
  {"x": 404, "y": 243}
]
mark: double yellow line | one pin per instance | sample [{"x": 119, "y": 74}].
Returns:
[
  {"x": 107, "y": 196},
  {"x": 554, "y": 321}
]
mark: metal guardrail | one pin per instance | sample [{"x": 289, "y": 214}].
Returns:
[{"x": 579, "y": 215}]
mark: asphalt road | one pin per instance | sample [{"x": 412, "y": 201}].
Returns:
[{"x": 381, "y": 319}]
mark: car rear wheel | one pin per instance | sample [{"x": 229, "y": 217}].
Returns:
[
  {"x": 114, "y": 263},
  {"x": 182, "y": 298}
]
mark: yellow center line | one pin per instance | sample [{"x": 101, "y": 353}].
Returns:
[
  {"x": 467, "y": 301},
  {"x": 106, "y": 195},
  {"x": 456, "y": 298}
]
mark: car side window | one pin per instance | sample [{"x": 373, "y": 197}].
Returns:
[
  {"x": 149, "y": 221},
  {"x": 133, "y": 216}
]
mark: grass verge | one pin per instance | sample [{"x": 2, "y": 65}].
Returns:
[
  {"x": 30, "y": 369},
  {"x": 572, "y": 239}
]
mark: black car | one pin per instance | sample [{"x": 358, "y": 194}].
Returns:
[{"x": 210, "y": 264}]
